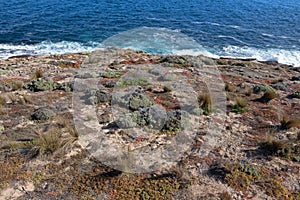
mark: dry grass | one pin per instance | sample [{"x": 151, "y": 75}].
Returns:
[
  {"x": 240, "y": 105},
  {"x": 61, "y": 121},
  {"x": 27, "y": 99},
  {"x": 11, "y": 170},
  {"x": 58, "y": 138},
  {"x": 287, "y": 124},
  {"x": 2, "y": 101},
  {"x": 72, "y": 136},
  {"x": 205, "y": 102},
  {"x": 13, "y": 98},
  {"x": 16, "y": 85},
  {"x": 225, "y": 196},
  {"x": 38, "y": 74},
  {"x": 288, "y": 149},
  {"x": 269, "y": 95},
  {"x": 249, "y": 92},
  {"x": 241, "y": 102},
  {"x": 48, "y": 142},
  {"x": 229, "y": 87}
]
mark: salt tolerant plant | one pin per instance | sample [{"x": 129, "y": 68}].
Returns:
[{"x": 111, "y": 74}]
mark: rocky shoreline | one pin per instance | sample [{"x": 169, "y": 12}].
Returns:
[{"x": 62, "y": 138}]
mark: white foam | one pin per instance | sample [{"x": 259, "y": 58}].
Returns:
[
  {"x": 154, "y": 40},
  {"x": 194, "y": 52},
  {"x": 233, "y": 38},
  {"x": 268, "y": 35},
  {"x": 289, "y": 57},
  {"x": 45, "y": 47},
  {"x": 235, "y": 26}
]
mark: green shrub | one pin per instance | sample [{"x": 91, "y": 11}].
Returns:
[
  {"x": 111, "y": 74},
  {"x": 131, "y": 82}
]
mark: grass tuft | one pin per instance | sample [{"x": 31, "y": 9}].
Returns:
[
  {"x": 27, "y": 99},
  {"x": 2, "y": 101},
  {"x": 48, "y": 142},
  {"x": 38, "y": 74},
  {"x": 287, "y": 124},
  {"x": 72, "y": 136},
  {"x": 229, "y": 87},
  {"x": 205, "y": 103},
  {"x": 269, "y": 95},
  {"x": 225, "y": 196},
  {"x": 16, "y": 85},
  {"x": 240, "y": 105},
  {"x": 13, "y": 98}
]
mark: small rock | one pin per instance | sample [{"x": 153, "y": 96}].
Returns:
[
  {"x": 155, "y": 71},
  {"x": 280, "y": 86},
  {"x": 295, "y": 95},
  {"x": 295, "y": 78},
  {"x": 42, "y": 114},
  {"x": 168, "y": 77},
  {"x": 87, "y": 75}
]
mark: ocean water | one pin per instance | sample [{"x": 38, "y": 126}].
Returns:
[{"x": 261, "y": 29}]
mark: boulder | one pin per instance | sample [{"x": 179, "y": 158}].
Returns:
[
  {"x": 42, "y": 114},
  {"x": 281, "y": 86}
]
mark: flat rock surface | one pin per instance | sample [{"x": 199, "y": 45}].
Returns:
[{"x": 124, "y": 124}]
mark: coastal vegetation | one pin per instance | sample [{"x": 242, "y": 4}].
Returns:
[{"x": 256, "y": 154}]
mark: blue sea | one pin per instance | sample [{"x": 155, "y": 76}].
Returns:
[{"x": 267, "y": 30}]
